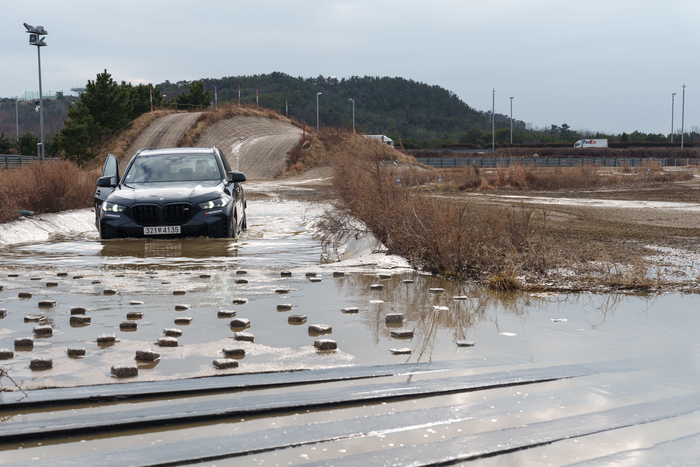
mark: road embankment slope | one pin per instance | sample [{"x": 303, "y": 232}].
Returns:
[
  {"x": 164, "y": 132},
  {"x": 256, "y": 146}
]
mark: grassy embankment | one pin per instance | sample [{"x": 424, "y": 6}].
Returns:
[{"x": 456, "y": 237}]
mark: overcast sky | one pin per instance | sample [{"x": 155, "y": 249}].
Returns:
[{"x": 599, "y": 65}]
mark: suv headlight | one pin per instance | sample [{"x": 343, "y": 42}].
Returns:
[
  {"x": 215, "y": 203},
  {"x": 111, "y": 207}
]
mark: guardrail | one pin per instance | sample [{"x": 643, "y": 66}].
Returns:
[
  {"x": 9, "y": 161},
  {"x": 493, "y": 162}
]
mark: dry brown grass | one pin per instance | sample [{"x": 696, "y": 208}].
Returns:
[
  {"x": 48, "y": 187},
  {"x": 226, "y": 112}
]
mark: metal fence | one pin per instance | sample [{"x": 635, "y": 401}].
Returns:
[
  {"x": 8, "y": 161},
  {"x": 449, "y": 162}
]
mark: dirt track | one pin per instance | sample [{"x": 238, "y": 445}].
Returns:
[
  {"x": 256, "y": 146},
  {"x": 164, "y": 132}
]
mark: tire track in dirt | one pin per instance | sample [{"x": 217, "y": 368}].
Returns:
[
  {"x": 256, "y": 146},
  {"x": 164, "y": 132}
]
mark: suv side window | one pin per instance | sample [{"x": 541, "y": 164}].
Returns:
[{"x": 225, "y": 162}]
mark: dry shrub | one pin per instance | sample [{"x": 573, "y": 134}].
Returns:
[
  {"x": 48, "y": 187},
  {"x": 436, "y": 234}
]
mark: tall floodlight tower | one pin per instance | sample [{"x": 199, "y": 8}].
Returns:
[
  {"x": 35, "y": 38},
  {"x": 493, "y": 121},
  {"x": 318, "y": 124},
  {"x": 673, "y": 97}
]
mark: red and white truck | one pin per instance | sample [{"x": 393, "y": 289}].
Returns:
[{"x": 591, "y": 143}]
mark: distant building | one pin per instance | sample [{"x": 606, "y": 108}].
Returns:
[{"x": 382, "y": 138}]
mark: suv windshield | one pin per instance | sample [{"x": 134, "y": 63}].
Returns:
[{"x": 173, "y": 168}]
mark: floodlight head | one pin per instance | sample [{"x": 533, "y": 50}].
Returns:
[
  {"x": 319, "y": 93},
  {"x": 35, "y": 30}
]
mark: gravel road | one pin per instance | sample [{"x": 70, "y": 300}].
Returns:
[
  {"x": 256, "y": 146},
  {"x": 164, "y": 132}
]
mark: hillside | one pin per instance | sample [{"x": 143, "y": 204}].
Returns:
[{"x": 401, "y": 108}]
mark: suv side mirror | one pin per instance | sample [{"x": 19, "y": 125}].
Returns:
[
  {"x": 237, "y": 177},
  {"x": 105, "y": 182}
]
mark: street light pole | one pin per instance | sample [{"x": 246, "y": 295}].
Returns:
[
  {"x": 673, "y": 97},
  {"x": 493, "y": 121},
  {"x": 17, "y": 115},
  {"x": 511, "y": 120},
  {"x": 683, "y": 118},
  {"x": 353, "y": 114},
  {"x": 318, "y": 125},
  {"x": 35, "y": 38}
]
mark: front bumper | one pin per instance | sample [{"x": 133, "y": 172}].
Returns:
[{"x": 211, "y": 223}]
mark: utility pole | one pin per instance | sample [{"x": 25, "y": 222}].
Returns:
[
  {"x": 511, "y": 120},
  {"x": 318, "y": 124},
  {"x": 35, "y": 38},
  {"x": 673, "y": 96},
  {"x": 493, "y": 121},
  {"x": 17, "y": 115},
  {"x": 353, "y": 114},
  {"x": 683, "y": 118}
]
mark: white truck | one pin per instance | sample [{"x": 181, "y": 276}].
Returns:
[
  {"x": 591, "y": 143},
  {"x": 382, "y": 138}
]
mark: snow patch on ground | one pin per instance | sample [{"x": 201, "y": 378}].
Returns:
[{"x": 42, "y": 227}]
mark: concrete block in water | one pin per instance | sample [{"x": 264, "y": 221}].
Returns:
[
  {"x": 338, "y": 274},
  {"x": 310, "y": 274},
  {"x": 182, "y": 307},
  {"x": 79, "y": 319},
  {"x": 296, "y": 319},
  {"x": 205, "y": 276},
  {"x": 463, "y": 343},
  {"x": 43, "y": 331},
  {"x": 282, "y": 291},
  {"x": 286, "y": 274},
  {"x": 241, "y": 272},
  {"x": 13, "y": 275},
  {"x": 172, "y": 332},
  {"x": 78, "y": 277},
  {"x": 316, "y": 329},
  {"x": 436, "y": 290},
  {"x": 167, "y": 341},
  {"x": 394, "y": 318},
  {"x": 135, "y": 302},
  {"x": 106, "y": 338},
  {"x": 240, "y": 301},
  {"x": 24, "y": 295},
  {"x": 77, "y": 310},
  {"x": 460, "y": 297},
  {"x": 125, "y": 371},
  {"x": 179, "y": 292},
  {"x": 403, "y": 351},
  {"x": 351, "y": 310},
  {"x": 62, "y": 274},
  {"x": 76, "y": 351},
  {"x": 376, "y": 287},
  {"x": 3, "y": 312},
  {"x": 240, "y": 323},
  {"x": 52, "y": 284},
  {"x": 284, "y": 307},
  {"x": 224, "y": 363},
  {"x": 109, "y": 291},
  {"x": 183, "y": 320},
  {"x": 33, "y": 318},
  {"x": 6, "y": 354},
  {"x": 325, "y": 344},
  {"x": 24, "y": 342},
  {"x": 241, "y": 281},
  {"x": 402, "y": 334},
  {"x": 35, "y": 279},
  {"x": 96, "y": 282},
  {"x": 408, "y": 281},
  {"x": 243, "y": 336},
  {"x": 384, "y": 276},
  {"x": 315, "y": 279},
  {"x": 47, "y": 303},
  {"x": 147, "y": 355},
  {"x": 45, "y": 363},
  {"x": 226, "y": 314},
  {"x": 128, "y": 326},
  {"x": 234, "y": 352},
  {"x": 134, "y": 315}
]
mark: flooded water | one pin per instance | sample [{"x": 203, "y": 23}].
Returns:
[{"x": 61, "y": 259}]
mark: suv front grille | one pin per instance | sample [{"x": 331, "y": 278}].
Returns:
[
  {"x": 146, "y": 214},
  {"x": 170, "y": 214},
  {"x": 177, "y": 213}
]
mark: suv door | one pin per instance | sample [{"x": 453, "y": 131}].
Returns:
[{"x": 111, "y": 170}]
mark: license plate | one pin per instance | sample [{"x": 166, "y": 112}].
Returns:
[{"x": 165, "y": 230}]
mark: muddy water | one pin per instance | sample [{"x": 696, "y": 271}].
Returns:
[{"x": 509, "y": 331}]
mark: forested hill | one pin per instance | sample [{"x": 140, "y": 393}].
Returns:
[{"x": 396, "y": 107}]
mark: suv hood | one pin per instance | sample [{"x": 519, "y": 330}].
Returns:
[{"x": 193, "y": 192}]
